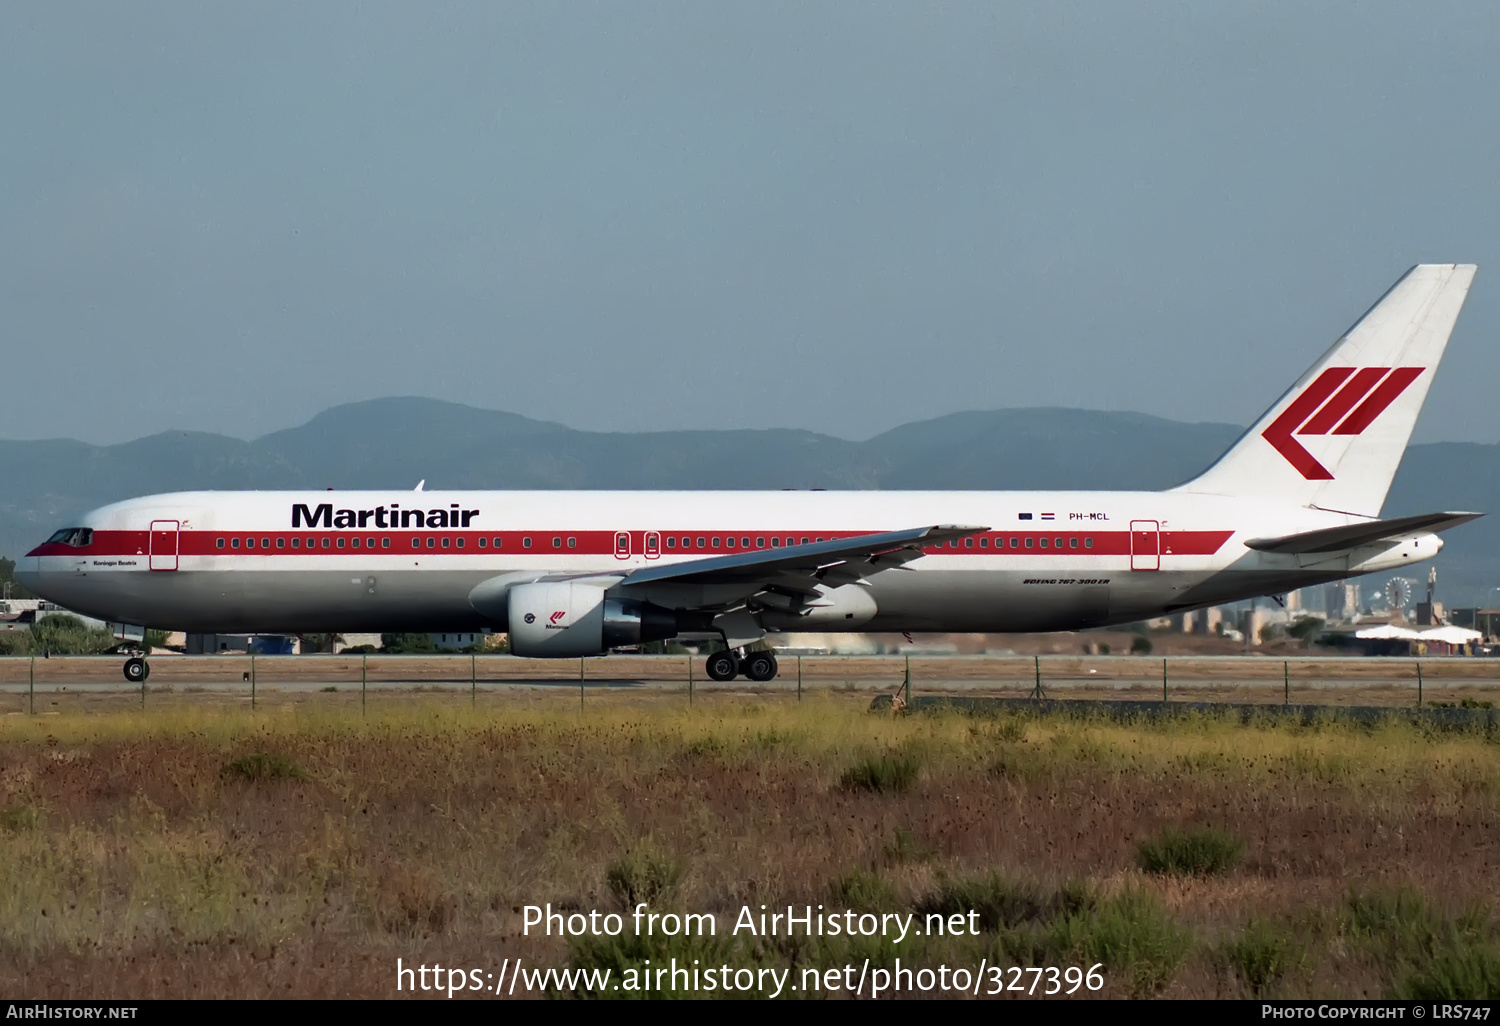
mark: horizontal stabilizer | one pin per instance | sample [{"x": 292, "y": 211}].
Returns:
[{"x": 1371, "y": 532}]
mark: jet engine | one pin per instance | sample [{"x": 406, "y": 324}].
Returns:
[{"x": 568, "y": 619}]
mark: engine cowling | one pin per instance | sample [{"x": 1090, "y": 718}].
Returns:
[{"x": 568, "y": 619}]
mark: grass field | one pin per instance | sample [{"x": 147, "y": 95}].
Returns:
[{"x": 300, "y": 849}]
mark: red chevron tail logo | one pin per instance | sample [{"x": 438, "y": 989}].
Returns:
[{"x": 1324, "y": 408}]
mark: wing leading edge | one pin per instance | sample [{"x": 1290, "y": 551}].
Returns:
[{"x": 805, "y": 567}]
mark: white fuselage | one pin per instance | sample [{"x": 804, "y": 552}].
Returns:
[{"x": 369, "y": 561}]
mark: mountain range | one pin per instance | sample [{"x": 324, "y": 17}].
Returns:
[{"x": 394, "y": 443}]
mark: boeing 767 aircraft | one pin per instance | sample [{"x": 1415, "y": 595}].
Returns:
[{"x": 1294, "y": 502}]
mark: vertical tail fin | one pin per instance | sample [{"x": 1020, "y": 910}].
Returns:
[{"x": 1335, "y": 439}]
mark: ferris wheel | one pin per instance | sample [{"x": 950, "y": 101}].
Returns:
[{"x": 1398, "y": 591}]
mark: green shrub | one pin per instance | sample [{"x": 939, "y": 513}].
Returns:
[
  {"x": 259, "y": 766},
  {"x": 1137, "y": 942},
  {"x": 1197, "y": 851},
  {"x": 1262, "y": 954},
  {"x": 1456, "y": 971},
  {"x": 1140, "y": 645},
  {"x": 881, "y": 773},
  {"x": 20, "y": 817},
  {"x": 1426, "y": 955},
  {"x": 645, "y": 873},
  {"x": 864, "y": 892},
  {"x": 1003, "y": 902}
]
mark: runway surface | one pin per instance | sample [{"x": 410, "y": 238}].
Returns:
[{"x": 1253, "y": 679}]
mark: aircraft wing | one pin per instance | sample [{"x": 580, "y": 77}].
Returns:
[
  {"x": 802, "y": 568},
  {"x": 1332, "y": 539}
]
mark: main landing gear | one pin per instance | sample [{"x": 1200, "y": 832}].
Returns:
[
  {"x": 137, "y": 670},
  {"x": 756, "y": 666}
]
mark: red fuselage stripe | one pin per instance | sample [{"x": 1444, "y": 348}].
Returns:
[{"x": 598, "y": 543}]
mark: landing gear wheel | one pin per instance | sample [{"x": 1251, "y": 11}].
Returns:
[
  {"x": 759, "y": 666},
  {"x": 723, "y": 666},
  {"x": 137, "y": 670}
]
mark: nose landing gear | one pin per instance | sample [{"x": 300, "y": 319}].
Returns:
[{"x": 137, "y": 670}]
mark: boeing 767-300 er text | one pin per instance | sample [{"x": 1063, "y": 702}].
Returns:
[{"x": 1294, "y": 502}]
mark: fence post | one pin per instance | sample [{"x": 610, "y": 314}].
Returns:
[
  {"x": 252, "y": 681},
  {"x": 1037, "y": 691},
  {"x": 580, "y": 683},
  {"x": 473, "y": 680},
  {"x": 364, "y": 674},
  {"x": 1419, "y": 685},
  {"x": 799, "y": 678},
  {"x": 690, "y": 679},
  {"x": 908, "y": 680},
  {"x": 1286, "y": 680},
  {"x": 31, "y": 688},
  {"x": 1164, "y": 679}
]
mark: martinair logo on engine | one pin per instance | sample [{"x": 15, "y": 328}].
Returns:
[
  {"x": 1324, "y": 409},
  {"x": 392, "y": 516},
  {"x": 554, "y": 622}
]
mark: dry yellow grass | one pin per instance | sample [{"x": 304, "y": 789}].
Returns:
[{"x": 138, "y": 859}]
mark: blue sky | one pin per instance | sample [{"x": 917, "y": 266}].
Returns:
[{"x": 837, "y": 216}]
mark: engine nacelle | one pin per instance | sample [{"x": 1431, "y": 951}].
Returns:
[{"x": 568, "y": 619}]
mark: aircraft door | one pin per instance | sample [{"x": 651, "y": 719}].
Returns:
[
  {"x": 653, "y": 544},
  {"x": 1145, "y": 545},
  {"x": 163, "y": 548},
  {"x": 622, "y": 544}
]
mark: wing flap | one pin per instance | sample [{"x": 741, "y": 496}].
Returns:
[{"x": 1334, "y": 539}]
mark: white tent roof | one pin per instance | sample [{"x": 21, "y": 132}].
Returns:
[
  {"x": 1388, "y": 631},
  {"x": 1451, "y": 635}
]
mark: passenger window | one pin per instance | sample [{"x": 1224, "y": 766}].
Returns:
[
  {"x": 234, "y": 543},
  {"x": 572, "y": 543},
  {"x": 1044, "y": 543},
  {"x": 296, "y": 543},
  {"x": 1028, "y": 542},
  {"x": 557, "y": 543},
  {"x": 1072, "y": 543},
  {"x": 265, "y": 543},
  {"x": 497, "y": 543},
  {"x": 700, "y": 543},
  {"x": 385, "y": 543},
  {"x": 219, "y": 543},
  {"x": 325, "y": 543},
  {"x": 671, "y": 542},
  {"x": 354, "y": 543},
  {"x": 716, "y": 542},
  {"x": 1059, "y": 543},
  {"x": 804, "y": 541},
  {"x": 968, "y": 543},
  {"x": 281, "y": 543},
  {"x": 744, "y": 543},
  {"x": 445, "y": 543},
  {"x": 760, "y": 543},
  {"x": 341, "y": 541},
  {"x": 416, "y": 543},
  {"x": 432, "y": 543},
  {"x": 249, "y": 543},
  {"x": 460, "y": 543},
  {"x": 482, "y": 542},
  {"x": 526, "y": 542},
  {"x": 984, "y": 543},
  {"x": 775, "y": 543},
  {"x": 1088, "y": 543}
]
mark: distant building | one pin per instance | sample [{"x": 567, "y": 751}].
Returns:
[{"x": 459, "y": 640}]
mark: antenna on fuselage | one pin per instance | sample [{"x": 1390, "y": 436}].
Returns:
[{"x": 420, "y": 483}]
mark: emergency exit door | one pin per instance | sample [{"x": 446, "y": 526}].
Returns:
[
  {"x": 163, "y": 554},
  {"x": 1145, "y": 545}
]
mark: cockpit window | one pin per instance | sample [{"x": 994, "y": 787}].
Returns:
[{"x": 78, "y": 537}]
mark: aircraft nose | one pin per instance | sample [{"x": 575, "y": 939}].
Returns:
[{"x": 28, "y": 573}]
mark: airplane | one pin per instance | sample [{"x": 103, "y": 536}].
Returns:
[{"x": 1294, "y": 502}]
